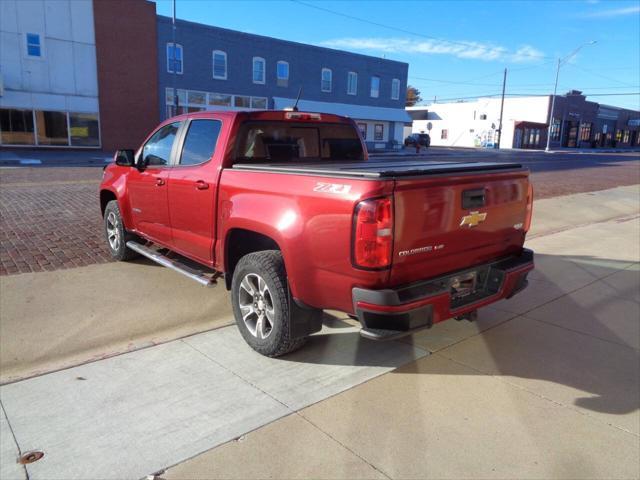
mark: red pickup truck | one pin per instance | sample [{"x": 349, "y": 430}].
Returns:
[{"x": 287, "y": 207}]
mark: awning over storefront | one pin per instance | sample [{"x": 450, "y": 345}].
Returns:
[{"x": 360, "y": 112}]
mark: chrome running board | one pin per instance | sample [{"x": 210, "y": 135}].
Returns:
[{"x": 203, "y": 278}]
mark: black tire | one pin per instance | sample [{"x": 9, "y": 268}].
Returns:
[
  {"x": 267, "y": 266},
  {"x": 112, "y": 218}
]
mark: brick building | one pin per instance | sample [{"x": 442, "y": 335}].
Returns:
[{"x": 101, "y": 74}]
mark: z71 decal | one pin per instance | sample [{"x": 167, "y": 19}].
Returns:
[{"x": 331, "y": 188}]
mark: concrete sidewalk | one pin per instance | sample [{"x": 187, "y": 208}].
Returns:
[{"x": 539, "y": 387}]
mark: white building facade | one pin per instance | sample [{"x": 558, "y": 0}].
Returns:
[
  {"x": 48, "y": 78},
  {"x": 577, "y": 123},
  {"x": 476, "y": 124}
]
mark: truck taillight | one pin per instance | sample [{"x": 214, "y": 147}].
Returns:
[
  {"x": 373, "y": 234},
  {"x": 527, "y": 218}
]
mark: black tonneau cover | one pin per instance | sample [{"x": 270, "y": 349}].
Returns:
[{"x": 379, "y": 168}]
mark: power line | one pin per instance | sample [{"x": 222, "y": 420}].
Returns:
[
  {"x": 402, "y": 30},
  {"x": 597, "y": 74}
]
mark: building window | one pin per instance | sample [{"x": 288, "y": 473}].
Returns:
[
  {"x": 16, "y": 127},
  {"x": 258, "y": 70},
  {"x": 483, "y": 116},
  {"x": 219, "y": 65},
  {"x": 34, "y": 48},
  {"x": 555, "y": 130},
  {"x": 444, "y": 134},
  {"x": 378, "y": 132},
  {"x": 51, "y": 128},
  {"x": 352, "y": 83},
  {"x": 585, "y": 132},
  {"x": 363, "y": 130},
  {"x": 241, "y": 101},
  {"x": 282, "y": 73},
  {"x": 395, "y": 89},
  {"x": 625, "y": 138},
  {"x": 618, "y": 135},
  {"x": 259, "y": 103},
  {"x": 326, "y": 79},
  {"x": 174, "y": 58},
  {"x": 375, "y": 87},
  {"x": 84, "y": 130},
  {"x": 220, "y": 99}
]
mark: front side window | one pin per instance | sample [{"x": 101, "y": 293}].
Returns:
[
  {"x": 200, "y": 142},
  {"x": 352, "y": 83},
  {"x": 378, "y": 132},
  {"x": 325, "y": 80},
  {"x": 157, "y": 151},
  {"x": 174, "y": 58},
  {"x": 395, "y": 89},
  {"x": 375, "y": 87},
  {"x": 34, "y": 48},
  {"x": 219, "y": 65},
  {"x": 258, "y": 70},
  {"x": 283, "y": 73}
]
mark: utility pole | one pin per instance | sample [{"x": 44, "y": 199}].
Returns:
[
  {"x": 553, "y": 105},
  {"x": 173, "y": 60},
  {"x": 555, "y": 89},
  {"x": 504, "y": 84}
]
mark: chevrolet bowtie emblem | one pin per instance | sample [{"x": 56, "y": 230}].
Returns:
[{"x": 473, "y": 219}]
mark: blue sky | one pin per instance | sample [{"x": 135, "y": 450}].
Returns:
[{"x": 458, "y": 49}]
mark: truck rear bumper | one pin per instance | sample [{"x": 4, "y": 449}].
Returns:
[{"x": 390, "y": 313}]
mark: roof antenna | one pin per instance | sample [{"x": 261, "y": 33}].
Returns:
[{"x": 295, "y": 106}]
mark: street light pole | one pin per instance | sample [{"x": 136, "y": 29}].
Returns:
[
  {"x": 504, "y": 84},
  {"x": 555, "y": 89}
]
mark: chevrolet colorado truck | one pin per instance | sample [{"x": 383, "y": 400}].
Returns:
[{"x": 288, "y": 209}]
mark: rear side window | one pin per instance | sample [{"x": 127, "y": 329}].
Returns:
[
  {"x": 157, "y": 151},
  {"x": 289, "y": 141},
  {"x": 200, "y": 142}
]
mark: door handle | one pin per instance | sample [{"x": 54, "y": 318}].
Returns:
[
  {"x": 159, "y": 182},
  {"x": 202, "y": 185}
]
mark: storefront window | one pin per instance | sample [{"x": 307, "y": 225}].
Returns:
[
  {"x": 625, "y": 138},
  {"x": 585, "y": 132},
  {"x": 197, "y": 98},
  {"x": 220, "y": 99},
  {"x": 555, "y": 130},
  {"x": 378, "y": 131},
  {"x": 363, "y": 129},
  {"x": 259, "y": 102},
  {"x": 52, "y": 128},
  {"x": 85, "y": 131},
  {"x": 242, "y": 102},
  {"x": 618, "y": 135},
  {"x": 16, "y": 127}
]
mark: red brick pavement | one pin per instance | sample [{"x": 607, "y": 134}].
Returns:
[{"x": 50, "y": 219}]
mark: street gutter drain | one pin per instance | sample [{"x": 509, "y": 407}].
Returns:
[{"x": 30, "y": 457}]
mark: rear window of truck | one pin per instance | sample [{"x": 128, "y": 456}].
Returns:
[{"x": 274, "y": 141}]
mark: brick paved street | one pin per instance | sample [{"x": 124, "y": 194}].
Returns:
[{"x": 49, "y": 217}]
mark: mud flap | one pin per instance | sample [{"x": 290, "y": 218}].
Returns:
[{"x": 303, "y": 320}]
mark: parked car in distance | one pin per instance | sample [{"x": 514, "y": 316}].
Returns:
[
  {"x": 288, "y": 210},
  {"x": 422, "y": 139}
]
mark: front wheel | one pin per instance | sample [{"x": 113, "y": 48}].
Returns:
[
  {"x": 115, "y": 233},
  {"x": 260, "y": 300}
]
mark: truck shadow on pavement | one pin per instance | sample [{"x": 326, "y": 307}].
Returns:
[{"x": 574, "y": 334}]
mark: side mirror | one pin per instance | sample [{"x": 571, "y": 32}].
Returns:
[{"x": 125, "y": 158}]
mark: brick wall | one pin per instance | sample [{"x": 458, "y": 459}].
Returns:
[{"x": 126, "y": 53}]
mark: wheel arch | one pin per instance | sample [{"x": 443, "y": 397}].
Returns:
[
  {"x": 105, "y": 197},
  {"x": 240, "y": 242}
]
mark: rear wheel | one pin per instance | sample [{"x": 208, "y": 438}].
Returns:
[
  {"x": 260, "y": 300},
  {"x": 115, "y": 234}
]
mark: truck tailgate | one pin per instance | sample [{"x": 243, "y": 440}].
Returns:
[{"x": 453, "y": 222}]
